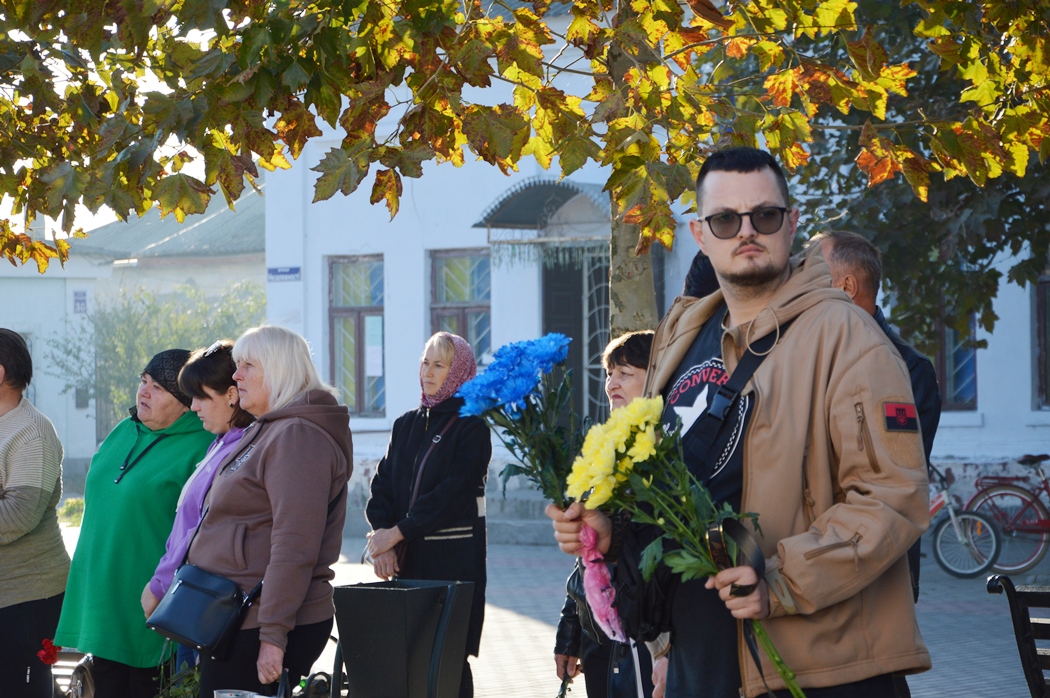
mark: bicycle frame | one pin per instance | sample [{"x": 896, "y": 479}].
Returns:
[
  {"x": 1016, "y": 523},
  {"x": 942, "y": 500}
]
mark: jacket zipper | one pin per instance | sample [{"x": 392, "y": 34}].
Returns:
[
  {"x": 852, "y": 542},
  {"x": 864, "y": 438},
  {"x": 809, "y": 505}
]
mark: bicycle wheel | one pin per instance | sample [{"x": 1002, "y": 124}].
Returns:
[
  {"x": 968, "y": 550},
  {"x": 1012, "y": 508}
]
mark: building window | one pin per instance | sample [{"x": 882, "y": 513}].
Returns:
[
  {"x": 459, "y": 298},
  {"x": 1042, "y": 328},
  {"x": 355, "y": 300},
  {"x": 957, "y": 369}
]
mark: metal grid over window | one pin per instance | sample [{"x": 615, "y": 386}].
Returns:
[
  {"x": 355, "y": 301},
  {"x": 596, "y": 325},
  {"x": 460, "y": 296}
]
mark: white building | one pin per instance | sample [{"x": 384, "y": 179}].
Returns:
[
  {"x": 43, "y": 308},
  {"x": 207, "y": 251}
]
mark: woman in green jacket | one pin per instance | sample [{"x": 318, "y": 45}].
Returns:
[{"x": 130, "y": 495}]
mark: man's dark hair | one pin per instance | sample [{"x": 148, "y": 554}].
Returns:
[
  {"x": 15, "y": 358},
  {"x": 856, "y": 253},
  {"x": 741, "y": 159},
  {"x": 213, "y": 368},
  {"x": 701, "y": 279},
  {"x": 629, "y": 349}
]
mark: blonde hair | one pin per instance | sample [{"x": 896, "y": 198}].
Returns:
[
  {"x": 288, "y": 368},
  {"x": 442, "y": 342}
]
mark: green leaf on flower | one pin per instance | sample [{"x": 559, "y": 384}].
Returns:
[
  {"x": 689, "y": 565},
  {"x": 705, "y": 511},
  {"x": 651, "y": 556}
]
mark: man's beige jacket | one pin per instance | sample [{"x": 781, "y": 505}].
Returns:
[{"x": 840, "y": 494}]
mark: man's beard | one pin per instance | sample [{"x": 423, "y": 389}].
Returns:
[{"x": 755, "y": 279}]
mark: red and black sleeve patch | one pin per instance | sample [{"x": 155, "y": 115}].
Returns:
[{"x": 901, "y": 416}]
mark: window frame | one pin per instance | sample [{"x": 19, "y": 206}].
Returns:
[
  {"x": 461, "y": 310},
  {"x": 358, "y": 314},
  {"x": 941, "y": 367}
]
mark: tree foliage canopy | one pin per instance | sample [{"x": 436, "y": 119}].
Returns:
[{"x": 105, "y": 103}]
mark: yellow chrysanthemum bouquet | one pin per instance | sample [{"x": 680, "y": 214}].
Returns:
[{"x": 628, "y": 464}]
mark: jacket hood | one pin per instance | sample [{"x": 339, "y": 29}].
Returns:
[
  {"x": 321, "y": 408},
  {"x": 808, "y": 285}
]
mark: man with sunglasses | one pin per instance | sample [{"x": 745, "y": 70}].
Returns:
[{"x": 822, "y": 443}]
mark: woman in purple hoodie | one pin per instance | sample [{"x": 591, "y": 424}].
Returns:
[{"x": 207, "y": 377}]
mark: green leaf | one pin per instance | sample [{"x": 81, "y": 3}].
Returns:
[
  {"x": 835, "y": 15},
  {"x": 770, "y": 54},
  {"x": 339, "y": 172},
  {"x": 985, "y": 94},
  {"x": 688, "y": 565},
  {"x": 295, "y": 76},
  {"x": 575, "y": 151},
  {"x": 182, "y": 195},
  {"x": 651, "y": 556},
  {"x": 491, "y": 130}
]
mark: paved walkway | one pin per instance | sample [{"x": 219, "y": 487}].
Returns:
[{"x": 966, "y": 629}]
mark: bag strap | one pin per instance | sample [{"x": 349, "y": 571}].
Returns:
[
  {"x": 433, "y": 444},
  {"x": 706, "y": 429}
]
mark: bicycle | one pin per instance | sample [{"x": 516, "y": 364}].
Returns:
[
  {"x": 965, "y": 544},
  {"x": 1016, "y": 508}
]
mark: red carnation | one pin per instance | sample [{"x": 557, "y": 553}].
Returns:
[{"x": 48, "y": 655}]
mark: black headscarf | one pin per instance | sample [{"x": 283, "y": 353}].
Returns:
[{"x": 164, "y": 369}]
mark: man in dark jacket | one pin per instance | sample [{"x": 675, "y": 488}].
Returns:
[{"x": 856, "y": 268}]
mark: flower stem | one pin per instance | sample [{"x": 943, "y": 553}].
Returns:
[
  {"x": 771, "y": 651},
  {"x": 564, "y": 686}
]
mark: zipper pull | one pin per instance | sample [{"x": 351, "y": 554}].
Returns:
[
  {"x": 860, "y": 423},
  {"x": 855, "y": 543}
]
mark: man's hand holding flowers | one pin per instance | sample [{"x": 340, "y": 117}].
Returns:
[{"x": 755, "y": 605}]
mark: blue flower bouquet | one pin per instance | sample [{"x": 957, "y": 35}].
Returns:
[{"x": 522, "y": 397}]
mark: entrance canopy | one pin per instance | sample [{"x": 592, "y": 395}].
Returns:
[{"x": 554, "y": 208}]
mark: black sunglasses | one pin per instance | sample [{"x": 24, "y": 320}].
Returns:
[{"x": 766, "y": 220}]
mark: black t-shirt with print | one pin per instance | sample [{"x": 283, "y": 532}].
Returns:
[
  {"x": 703, "y": 660},
  {"x": 687, "y": 398}
]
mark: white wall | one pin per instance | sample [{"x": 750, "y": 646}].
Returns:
[
  {"x": 1004, "y": 425},
  {"x": 38, "y": 307},
  {"x": 437, "y": 213}
]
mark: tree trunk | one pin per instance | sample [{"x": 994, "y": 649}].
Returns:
[{"x": 632, "y": 295}]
